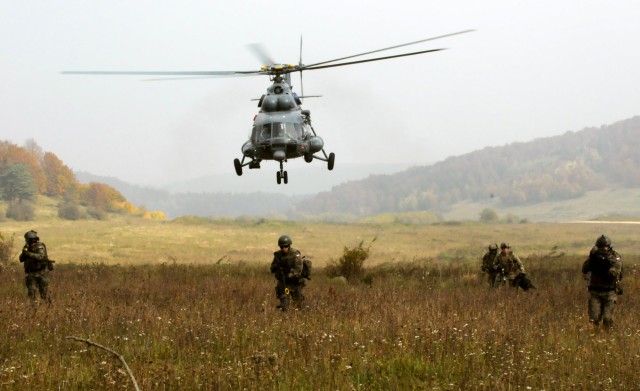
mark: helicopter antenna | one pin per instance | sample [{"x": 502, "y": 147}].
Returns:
[{"x": 300, "y": 66}]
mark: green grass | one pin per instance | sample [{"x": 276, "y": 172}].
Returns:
[{"x": 592, "y": 205}]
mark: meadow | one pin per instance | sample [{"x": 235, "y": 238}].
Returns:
[{"x": 190, "y": 304}]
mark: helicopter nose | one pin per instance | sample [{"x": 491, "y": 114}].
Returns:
[{"x": 279, "y": 155}]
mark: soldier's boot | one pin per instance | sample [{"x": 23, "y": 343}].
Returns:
[
  {"x": 298, "y": 299},
  {"x": 608, "y": 324},
  {"x": 595, "y": 324},
  {"x": 44, "y": 295}
]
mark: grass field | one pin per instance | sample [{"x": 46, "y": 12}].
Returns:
[
  {"x": 134, "y": 241},
  {"x": 190, "y": 305}
]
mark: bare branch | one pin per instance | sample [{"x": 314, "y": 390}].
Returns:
[{"x": 124, "y": 363}]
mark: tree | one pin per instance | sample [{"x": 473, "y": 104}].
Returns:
[
  {"x": 488, "y": 215},
  {"x": 31, "y": 146},
  {"x": 60, "y": 178},
  {"x": 17, "y": 183},
  {"x": 11, "y": 154},
  {"x": 102, "y": 198}
]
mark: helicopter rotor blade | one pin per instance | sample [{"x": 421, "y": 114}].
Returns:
[
  {"x": 261, "y": 54},
  {"x": 165, "y": 73},
  {"x": 202, "y": 77},
  {"x": 311, "y": 68},
  {"x": 389, "y": 48},
  {"x": 300, "y": 67}
]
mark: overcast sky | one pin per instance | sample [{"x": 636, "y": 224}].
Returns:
[{"x": 531, "y": 69}]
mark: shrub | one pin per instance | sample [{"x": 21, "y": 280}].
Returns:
[
  {"x": 350, "y": 264},
  {"x": 21, "y": 210},
  {"x": 70, "y": 210},
  {"x": 97, "y": 213},
  {"x": 6, "y": 249}
]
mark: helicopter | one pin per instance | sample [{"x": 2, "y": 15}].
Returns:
[{"x": 281, "y": 130}]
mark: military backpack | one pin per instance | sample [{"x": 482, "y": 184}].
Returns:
[{"x": 306, "y": 268}]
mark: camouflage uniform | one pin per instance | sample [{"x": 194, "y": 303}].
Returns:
[
  {"x": 509, "y": 263},
  {"x": 488, "y": 265},
  {"x": 603, "y": 272},
  {"x": 36, "y": 266},
  {"x": 287, "y": 269}
]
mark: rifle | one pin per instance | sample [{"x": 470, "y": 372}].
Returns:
[{"x": 48, "y": 262}]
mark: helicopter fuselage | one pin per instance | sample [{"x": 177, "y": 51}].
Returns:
[{"x": 281, "y": 130}]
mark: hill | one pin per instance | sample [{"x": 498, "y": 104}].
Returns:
[
  {"x": 228, "y": 204},
  {"x": 565, "y": 168},
  {"x": 29, "y": 175},
  {"x": 225, "y": 195}
]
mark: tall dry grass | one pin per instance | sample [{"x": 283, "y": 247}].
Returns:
[{"x": 420, "y": 324}]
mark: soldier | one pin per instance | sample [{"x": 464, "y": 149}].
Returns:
[
  {"x": 602, "y": 272},
  {"x": 488, "y": 264},
  {"x": 36, "y": 266},
  {"x": 287, "y": 269},
  {"x": 509, "y": 264}
]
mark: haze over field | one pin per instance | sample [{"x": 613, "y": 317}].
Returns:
[{"x": 530, "y": 70}]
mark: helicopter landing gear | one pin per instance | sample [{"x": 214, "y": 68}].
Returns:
[
  {"x": 331, "y": 161},
  {"x": 282, "y": 176},
  {"x": 238, "y": 166}
]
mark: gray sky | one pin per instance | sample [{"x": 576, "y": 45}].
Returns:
[{"x": 532, "y": 69}]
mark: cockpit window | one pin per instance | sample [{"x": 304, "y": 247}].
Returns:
[
  {"x": 278, "y": 130},
  {"x": 265, "y": 133},
  {"x": 293, "y": 130}
]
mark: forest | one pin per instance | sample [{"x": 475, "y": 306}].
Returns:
[
  {"x": 546, "y": 169},
  {"x": 27, "y": 172}
]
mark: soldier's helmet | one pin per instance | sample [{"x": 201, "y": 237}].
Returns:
[
  {"x": 284, "y": 241},
  {"x": 31, "y": 236},
  {"x": 504, "y": 245},
  {"x": 493, "y": 247},
  {"x": 603, "y": 241}
]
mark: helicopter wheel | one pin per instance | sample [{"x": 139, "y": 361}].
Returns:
[
  {"x": 331, "y": 161},
  {"x": 238, "y": 166},
  {"x": 285, "y": 177},
  {"x": 278, "y": 177}
]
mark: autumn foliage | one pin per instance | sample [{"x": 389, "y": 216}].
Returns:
[{"x": 43, "y": 173}]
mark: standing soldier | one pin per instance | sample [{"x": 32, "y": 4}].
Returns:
[
  {"x": 603, "y": 272},
  {"x": 287, "y": 269},
  {"x": 36, "y": 265},
  {"x": 509, "y": 263},
  {"x": 488, "y": 264}
]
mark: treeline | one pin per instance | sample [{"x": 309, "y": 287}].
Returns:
[
  {"x": 202, "y": 204},
  {"x": 27, "y": 171},
  {"x": 548, "y": 169}
]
